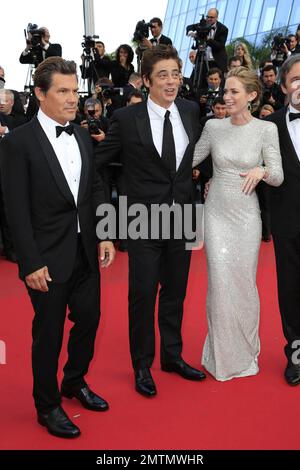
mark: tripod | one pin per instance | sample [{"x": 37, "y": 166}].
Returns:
[
  {"x": 199, "y": 80},
  {"x": 88, "y": 71},
  {"x": 139, "y": 54}
]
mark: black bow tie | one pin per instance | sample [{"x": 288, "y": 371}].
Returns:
[
  {"x": 69, "y": 129},
  {"x": 294, "y": 116}
]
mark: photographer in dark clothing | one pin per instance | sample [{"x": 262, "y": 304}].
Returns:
[
  {"x": 158, "y": 38},
  {"x": 272, "y": 93},
  {"x": 38, "y": 47},
  {"x": 99, "y": 66}
]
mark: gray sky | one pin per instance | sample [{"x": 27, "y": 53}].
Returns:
[{"x": 114, "y": 22}]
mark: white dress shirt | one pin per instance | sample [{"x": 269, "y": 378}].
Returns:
[
  {"x": 67, "y": 151},
  {"x": 211, "y": 35},
  {"x": 157, "y": 119},
  {"x": 294, "y": 129}
]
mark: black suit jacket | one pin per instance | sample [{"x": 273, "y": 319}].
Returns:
[
  {"x": 218, "y": 46},
  {"x": 285, "y": 199},
  {"x": 52, "y": 51},
  {"x": 163, "y": 40},
  {"x": 146, "y": 179},
  {"x": 40, "y": 206}
]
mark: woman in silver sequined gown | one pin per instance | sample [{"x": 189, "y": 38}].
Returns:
[{"x": 232, "y": 231}]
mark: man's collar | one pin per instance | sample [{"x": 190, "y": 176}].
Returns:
[{"x": 159, "y": 110}]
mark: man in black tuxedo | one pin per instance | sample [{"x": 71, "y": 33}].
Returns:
[
  {"x": 44, "y": 50},
  {"x": 155, "y": 141},
  {"x": 51, "y": 191},
  {"x": 158, "y": 38},
  {"x": 216, "y": 52},
  {"x": 285, "y": 220}
]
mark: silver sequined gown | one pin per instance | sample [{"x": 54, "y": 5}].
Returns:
[{"x": 232, "y": 235}]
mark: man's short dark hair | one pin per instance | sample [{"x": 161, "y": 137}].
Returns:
[
  {"x": 157, "y": 20},
  {"x": 219, "y": 100},
  {"x": 287, "y": 66},
  {"x": 156, "y": 54},
  {"x": 234, "y": 59},
  {"x": 136, "y": 94},
  {"x": 45, "y": 71},
  {"x": 213, "y": 71},
  {"x": 268, "y": 68}
]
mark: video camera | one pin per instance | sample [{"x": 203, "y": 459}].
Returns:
[
  {"x": 36, "y": 35},
  {"x": 109, "y": 92},
  {"x": 199, "y": 32},
  {"x": 141, "y": 31},
  {"x": 89, "y": 43},
  {"x": 278, "y": 43}
]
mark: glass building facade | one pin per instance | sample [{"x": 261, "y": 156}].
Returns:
[{"x": 250, "y": 19}]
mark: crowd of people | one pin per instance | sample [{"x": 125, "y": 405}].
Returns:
[{"x": 237, "y": 134}]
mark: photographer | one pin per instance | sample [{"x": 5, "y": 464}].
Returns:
[
  {"x": 213, "y": 91},
  {"x": 38, "y": 47},
  {"x": 216, "y": 52},
  {"x": 156, "y": 27},
  {"x": 294, "y": 47},
  {"x": 94, "y": 122},
  {"x": 280, "y": 50},
  {"x": 98, "y": 65},
  {"x": 272, "y": 93}
]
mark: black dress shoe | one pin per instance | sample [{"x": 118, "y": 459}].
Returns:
[
  {"x": 87, "y": 398},
  {"x": 183, "y": 369},
  {"x": 58, "y": 423},
  {"x": 292, "y": 374},
  {"x": 144, "y": 382}
]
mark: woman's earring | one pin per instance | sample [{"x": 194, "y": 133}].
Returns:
[{"x": 250, "y": 106}]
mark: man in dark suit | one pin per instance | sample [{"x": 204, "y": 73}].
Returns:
[
  {"x": 285, "y": 220},
  {"x": 51, "y": 193},
  {"x": 35, "y": 55},
  {"x": 216, "y": 52},
  {"x": 158, "y": 38},
  {"x": 155, "y": 140}
]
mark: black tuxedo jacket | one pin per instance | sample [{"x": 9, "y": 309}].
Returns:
[
  {"x": 52, "y": 51},
  {"x": 218, "y": 46},
  {"x": 40, "y": 206},
  {"x": 163, "y": 40},
  {"x": 146, "y": 179},
  {"x": 285, "y": 199}
]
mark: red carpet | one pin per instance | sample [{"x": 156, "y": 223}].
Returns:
[{"x": 258, "y": 412}]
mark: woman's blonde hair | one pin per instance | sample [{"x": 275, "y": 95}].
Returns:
[
  {"x": 247, "y": 61},
  {"x": 250, "y": 81}
]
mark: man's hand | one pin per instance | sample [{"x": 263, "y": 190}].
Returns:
[
  {"x": 107, "y": 254},
  {"x": 84, "y": 124},
  {"x": 196, "y": 174},
  {"x": 206, "y": 188},
  {"x": 3, "y": 129},
  {"x": 145, "y": 42},
  {"x": 38, "y": 280},
  {"x": 98, "y": 137}
]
